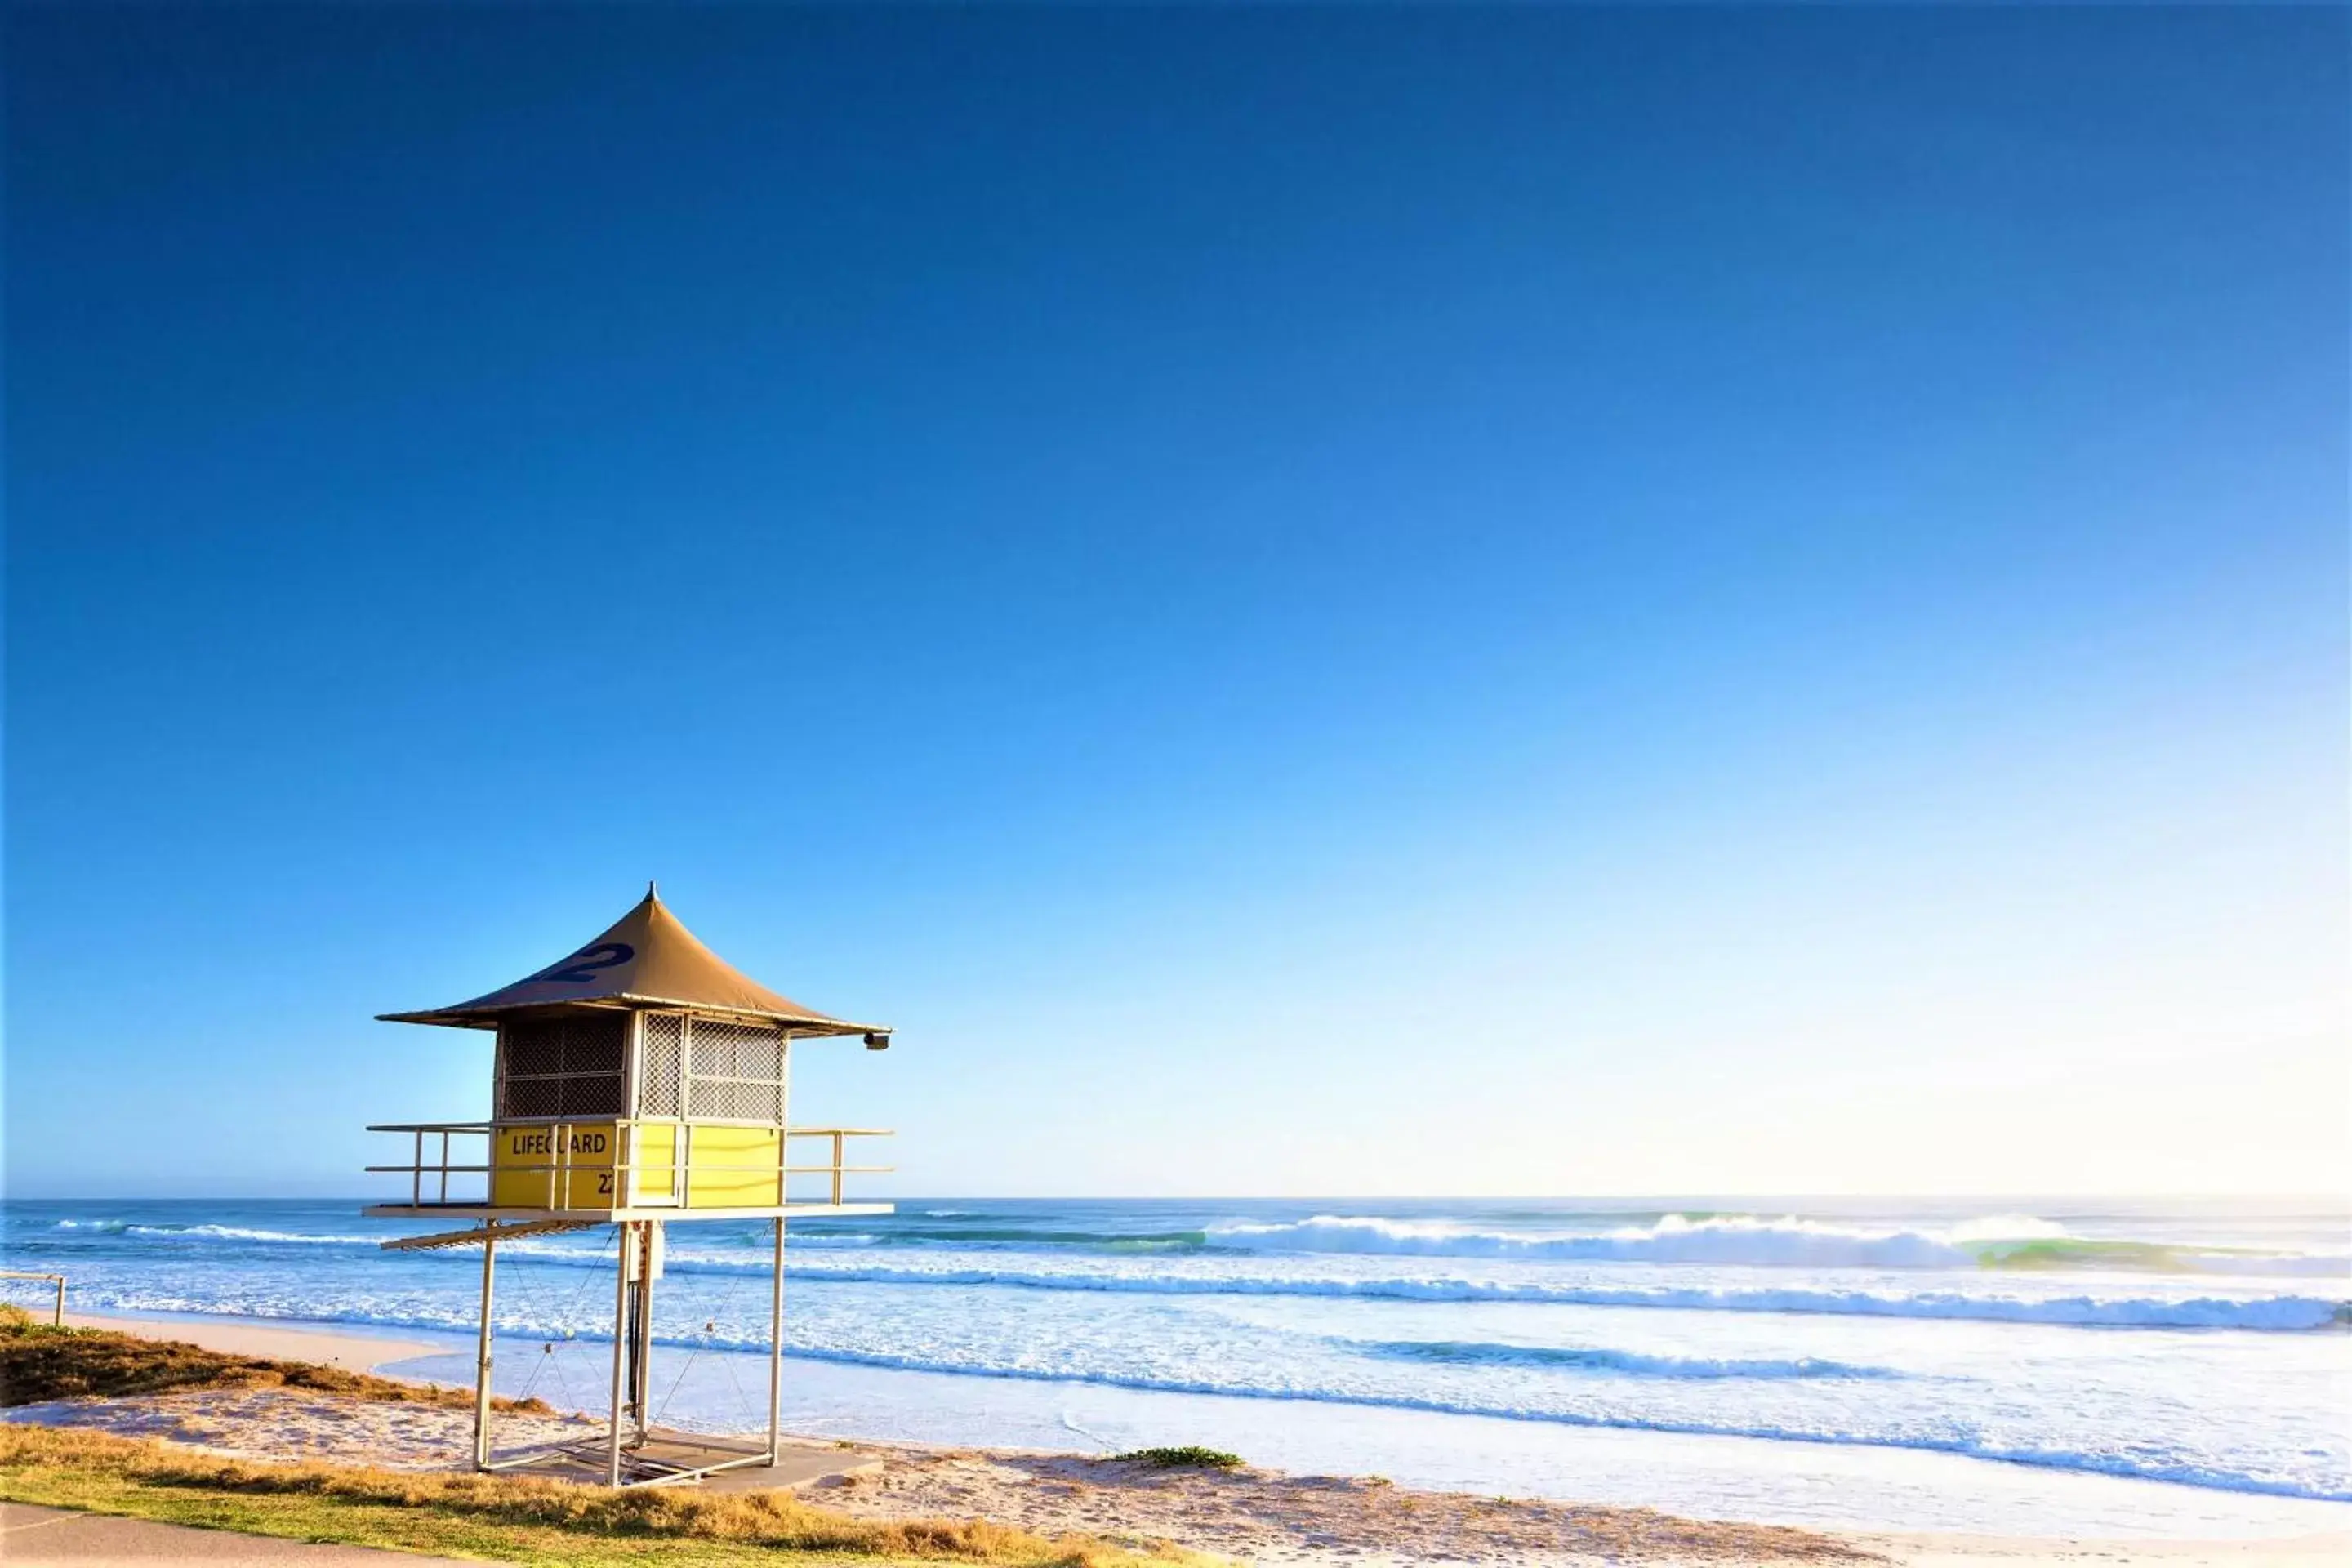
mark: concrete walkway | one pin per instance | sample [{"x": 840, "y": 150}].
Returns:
[{"x": 32, "y": 1536}]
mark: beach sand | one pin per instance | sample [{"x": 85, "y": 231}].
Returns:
[
  {"x": 1253, "y": 1515},
  {"x": 300, "y": 1424},
  {"x": 1267, "y": 1517},
  {"x": 2000, "y": 1551},
  {"x": 277, "y": 1341}
]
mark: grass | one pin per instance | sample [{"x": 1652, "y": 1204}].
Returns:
[
  {"x": 1192, "y": 1457},
  {"x": 40, "y": 1363},
  {"x": 538, "y": 1523}
]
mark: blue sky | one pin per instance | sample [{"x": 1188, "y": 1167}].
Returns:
[{"x": 1309, "y": 600}]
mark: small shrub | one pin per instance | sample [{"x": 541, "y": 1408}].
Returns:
[{"x": 1192, "y": 1457}]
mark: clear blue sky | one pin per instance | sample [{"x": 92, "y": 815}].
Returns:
[{"x": 1308, "y": 600}]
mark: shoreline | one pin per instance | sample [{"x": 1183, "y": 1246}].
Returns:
[{"x": 1264, "y": 1515}]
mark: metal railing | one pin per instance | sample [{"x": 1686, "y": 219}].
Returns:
[
  {"x": 678, "y": 1168},
  {"x": 56, "y": 1280}
]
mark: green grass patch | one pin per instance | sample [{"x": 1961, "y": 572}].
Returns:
[
  {"x": 535, "y": 1522},
  {"x": 1190, "y": 1457}
]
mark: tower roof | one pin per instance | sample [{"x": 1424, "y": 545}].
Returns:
[{"x": 646, "y": 959}]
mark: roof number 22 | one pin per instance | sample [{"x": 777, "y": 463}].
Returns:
[{"x": 581, "y": 966}]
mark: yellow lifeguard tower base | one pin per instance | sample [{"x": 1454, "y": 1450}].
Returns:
[{"x": 640, "y": 1080}]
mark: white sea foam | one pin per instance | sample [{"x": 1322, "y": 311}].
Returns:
[
  {"x": 2263, "y": 1313},
  {"x": 1599, "y": 1359},
  {"x": 211, "y": 1233},
  {"x": 2270, "y": 1313},
  {"x": 1753, "y": 1240},
  {"x": 2005, "y": 1228},
  {"x": 1670, "y": 1241},
  {"x": 241, "y": 1232},
  {"x": 1789, "y": 1242},
  {"x": 2005, "y": 1241}
]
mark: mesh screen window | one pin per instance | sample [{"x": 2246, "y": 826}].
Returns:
[
  {"x": 706, "y": 1070},
  {"x": 662, "y": 1069},
  {"x": 735, "y": 1072},
  {"x": 563, "y": 1067},
  {"x": 711, "y": 1069}
]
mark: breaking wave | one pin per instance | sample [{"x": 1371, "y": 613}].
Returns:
[
  {"x": 1578, "y": 1358},
  {"x": 2265, "y": 1314},
  {"x": 211, "y": 1233},
  {"x": 2010, "y": 1241}
]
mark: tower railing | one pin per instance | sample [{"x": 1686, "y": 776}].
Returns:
[{"x": 433, "y": 1161}]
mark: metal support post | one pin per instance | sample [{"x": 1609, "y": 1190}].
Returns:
[
  {"x": 641, "y": 1333},
  {"x": 482, "y": 1361},
  {"x": 776, "y": 1345},
  {"x": 620, "y": 1338}
]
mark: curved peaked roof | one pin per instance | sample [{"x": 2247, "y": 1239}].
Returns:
[{"x": 646, "y": 959}]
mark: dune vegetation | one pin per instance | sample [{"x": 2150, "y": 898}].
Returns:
[{"x": 38, "y": 1361}]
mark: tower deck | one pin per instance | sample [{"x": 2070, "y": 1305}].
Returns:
[{"x": 616, "y": 1171}]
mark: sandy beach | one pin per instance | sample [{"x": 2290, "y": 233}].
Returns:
[
  {"x": 1250, "y": 1514},
  {"x": 281, "y": 1341}
]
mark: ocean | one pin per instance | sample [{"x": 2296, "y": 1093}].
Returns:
[{"x": 2088, "y": 1366}]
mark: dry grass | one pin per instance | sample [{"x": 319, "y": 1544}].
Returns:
[
  {"x": 39, "y": 1362},
  {"x": 529, "y": 1521}
]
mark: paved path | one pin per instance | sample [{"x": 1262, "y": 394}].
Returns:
[
  {"x": 31, "y": 1537},
  {"x": 795, "y": 1466}
]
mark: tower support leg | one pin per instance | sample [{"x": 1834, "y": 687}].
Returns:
[
  {"x": 482, "y": 1361},
  {"x": 641, "y": 1333},
  {"x": 620, "y": 1337},
  {"x": 776, "y": 1345}
]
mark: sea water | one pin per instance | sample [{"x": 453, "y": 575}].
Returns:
[{"x": 2050, "y": 1367}]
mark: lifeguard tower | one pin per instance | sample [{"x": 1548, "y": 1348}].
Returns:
[{"x": 639, "y": 1081}]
